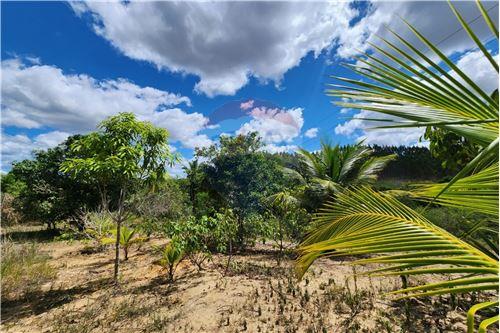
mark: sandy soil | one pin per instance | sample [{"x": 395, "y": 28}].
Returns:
[{"x": 256, "y": 295}]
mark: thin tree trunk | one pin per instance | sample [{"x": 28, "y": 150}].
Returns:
[
  {"x": 117, "y": 249},
  {"x": 229, "y": 258},
  {"x": 119, "y": 220}
]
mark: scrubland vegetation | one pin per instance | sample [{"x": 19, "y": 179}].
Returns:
[{"x": 345, "y": 239}]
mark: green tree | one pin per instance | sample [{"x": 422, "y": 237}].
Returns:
[
  {"x": 45, "y": 194},
  {"x": 453, "y": 150},
  {"x": 125, "y": 151},
  {"x": 421, "y": 92},
  {"x": 11, "y": 184},
  {"x": 204, "y": 200},
  {"x": 241, "y": 175}
]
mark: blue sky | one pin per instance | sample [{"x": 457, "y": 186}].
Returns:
[{"x": 66, "y": 66}]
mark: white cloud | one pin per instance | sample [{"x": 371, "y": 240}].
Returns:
[
  {"x": 311, "y": 133},
  {"x": 223, "y": 43},
  {"x": 182, "y": 126},
  {"x": 361, "y": 129},
  {"x": 434, "y": 19},
  {"x": 226, "y": 43},
  {"x": 273, "y": 149},
  {"x": 274, "y": 125},
  {"x": 475, "y": 65},
  {"x": 40, "y": 96},
  {"x": 19, "y": 147}
]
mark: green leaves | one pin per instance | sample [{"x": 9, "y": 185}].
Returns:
[
  {"x": 477, "y": 192},
  {"x": 405, "y": 82},
  {"x": 123, "y": 149},
  {"x": 335, "y": 166},
  {"x": 362, "y": 221}
]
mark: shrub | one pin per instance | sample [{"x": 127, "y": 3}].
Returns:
[
  {"x": 10, "y": 215},
  {"x": 24, "y": 269}
]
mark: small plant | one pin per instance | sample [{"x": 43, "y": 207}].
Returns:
[
  {"x": 128, "y": 237},
  {"x": 171, "y": 255}
]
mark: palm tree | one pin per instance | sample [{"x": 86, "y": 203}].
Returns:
[
  {"x": 344, "y": 166},
  {"x": 128, "y": 237},
  {"x": 171, "y": 255},
  {"x": 333, "y": 168},
  {"x": 422, "y": 92}
]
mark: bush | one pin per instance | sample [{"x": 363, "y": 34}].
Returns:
[
  {"x": 24, "y": 269},
  {"x": 206, "y": 234},
  {"x": 10, "y": 215},
  {"x": 93, "y": 228}
]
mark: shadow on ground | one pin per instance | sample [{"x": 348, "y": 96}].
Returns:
[
  {"x": 45, "y": 235},
  {"x": 39, "y": 302}
]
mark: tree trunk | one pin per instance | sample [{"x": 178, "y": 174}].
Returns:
[
  {"x": 119, "y": 220},
  {"x": 117, "y": 248},
  {"x": 125, "y": 252},
  {"x": 229, "y": 257}
]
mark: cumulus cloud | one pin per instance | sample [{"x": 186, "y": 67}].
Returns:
[
  {"x": 223, "y": 43},
  {"x": 360, "y": 129},
  {"x": 446, "y": 31},
  {"x": 19, "y": 147},
  {"x": 311, "y": 133},
  {"x": 226, "y": 43},
  {"x": 40, "y": 96},
  {"x": 274, "y": 149},
  {"x": 274, "y": 125},
  {"x": 475, "y": 65}
]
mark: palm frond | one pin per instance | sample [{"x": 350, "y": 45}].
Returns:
[
  {"x": 370, "y": 169},
  {"x": 362, "y": 221},
  {"x": 352, "y": 158},
  {"x": 411, "y": 86},
  {"x": 477, "y": 192}
]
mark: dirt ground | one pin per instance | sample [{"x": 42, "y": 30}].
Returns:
[{"x": 256, "y": 295}]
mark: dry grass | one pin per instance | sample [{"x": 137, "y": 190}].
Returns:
[{"x": 24, "y": 269}]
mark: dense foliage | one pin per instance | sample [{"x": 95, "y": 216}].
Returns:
[
  {"x": 240, "y": 175},
  {"x": 43, "y": 193},
  {"x": 412, "y": 163}
]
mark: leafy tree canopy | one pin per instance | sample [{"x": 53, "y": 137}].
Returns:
[{"x": 242, "y": 174}]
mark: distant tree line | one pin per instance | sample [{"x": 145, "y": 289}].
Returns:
[{"x": 411, "y": 163}]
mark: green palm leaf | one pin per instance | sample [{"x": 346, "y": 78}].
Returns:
[
  {"x": 478, "y": 192},
  {"x": 414, "y": 87},
  {"x": 405, "y": 82},
  {"x": 362, "y": 221}
]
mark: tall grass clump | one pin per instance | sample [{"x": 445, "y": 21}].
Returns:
[{"x": 24, "y": 269}]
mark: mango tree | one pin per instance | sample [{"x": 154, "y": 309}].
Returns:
[{"x": 127, "y": 152}]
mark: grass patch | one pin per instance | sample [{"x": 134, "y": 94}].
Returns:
[{"x": 24, "y": 269}]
